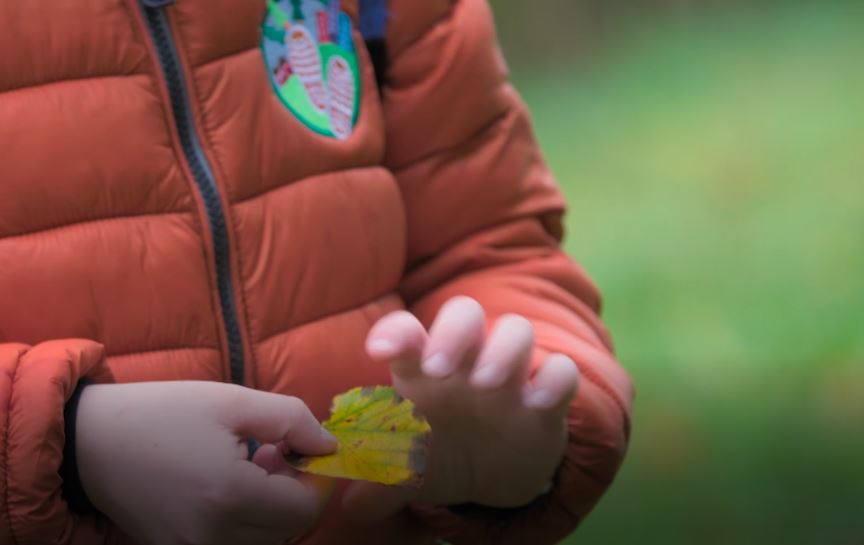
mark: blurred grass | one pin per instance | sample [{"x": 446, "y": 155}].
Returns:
[{"x": 714, "y": 165}]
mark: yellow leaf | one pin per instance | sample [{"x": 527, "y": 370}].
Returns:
[{"x": 381, "y": 437}]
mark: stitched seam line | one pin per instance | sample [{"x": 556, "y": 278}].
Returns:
[
  {"x": 6, "y": 449},
  {"x": 107, "y": 219},
  {"x": 160, "y": 350},
  {"x": 333, "y": 314},
  {"x": 226, "y": 56},
  {"x": 594, "y": 378},
  {"x": 482, "y": 132},
  {"x": 74, "y": 79},
  {"x": 285, "y": 185},
  {"x": 592, "y": 375},
  {"x": 465, "y": 268},
  {"x": 443, "y": 20},
  {"x": 589, "y": 473}
]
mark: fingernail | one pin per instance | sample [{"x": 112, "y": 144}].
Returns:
[
  {"x": 540, "y": 399},
  {"x": 382, "y": 347},
  {"x": 329, "y": 437},
  {"x": 437, "y": 366},
  {"x": 486, "y": 376}
]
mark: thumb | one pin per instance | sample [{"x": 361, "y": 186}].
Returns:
[{"x": 271, "y": 418}]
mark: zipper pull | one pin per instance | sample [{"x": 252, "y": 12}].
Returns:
[{"x": 156, "y": 4}]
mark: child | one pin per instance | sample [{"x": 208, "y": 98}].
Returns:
[{"x": 212, "y": 221}]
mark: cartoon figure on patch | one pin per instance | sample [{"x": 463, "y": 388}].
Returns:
[{"x": 311, "y": 61}]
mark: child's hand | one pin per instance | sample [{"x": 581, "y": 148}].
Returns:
[
  {"x": 496, "y": 437},
  {"x": 167, "y": 462}
]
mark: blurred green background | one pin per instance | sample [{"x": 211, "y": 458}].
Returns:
[{"x": 713, "y": 155}]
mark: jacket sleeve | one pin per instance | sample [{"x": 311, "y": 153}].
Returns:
[
  {"x": 484, "y": 219},
  {"x": 35, "y": 383}
]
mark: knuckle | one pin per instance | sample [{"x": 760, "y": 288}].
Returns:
[
  {"x": 296, "y": 412},
  {"x": 226, "y": 398},
  {"x": 294, "y": 406}
]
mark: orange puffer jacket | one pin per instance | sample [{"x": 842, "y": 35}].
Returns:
[{"x": 169, "y": 210}]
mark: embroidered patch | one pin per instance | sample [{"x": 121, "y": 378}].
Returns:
[{"x": 311, "y": 60}]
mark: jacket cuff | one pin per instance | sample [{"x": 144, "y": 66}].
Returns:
[
  {"x": 35, "y": 384},
  {"x": 73, "y": 490},
  {"x": 475, "y": 523}
]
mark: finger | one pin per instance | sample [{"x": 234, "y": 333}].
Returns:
[
  {"x": 506, "y": 357},
  {"x": 554, "y": 384},
  {"x": 398, "y": 338},
  {"x": 272, "y": 501},
  {"x": 271, "y": 458},
  {"x": 455, "y": 336},
  {"x": 272, "y": 418}
]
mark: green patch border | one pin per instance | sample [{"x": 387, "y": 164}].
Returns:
[{"x": 355, "y": 68}]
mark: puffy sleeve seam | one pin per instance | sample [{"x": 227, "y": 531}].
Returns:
[
  {"x": 592, "y": 377},
  {"x": 6, "y": 510},
  {"x": 447, "y": 17},
  {"x": 482, "y": 132}
]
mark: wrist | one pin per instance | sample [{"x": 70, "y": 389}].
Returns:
[
  {"x": 92, "y": 429},
  {"x": 72, "y": 489}
]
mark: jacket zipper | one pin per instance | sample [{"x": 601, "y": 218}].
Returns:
[{"x": 169, "y": 60}]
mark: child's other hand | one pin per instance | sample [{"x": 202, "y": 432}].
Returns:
[
  {"x": 167, "y": 462},
  {"x": 497, "y": 438}
]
